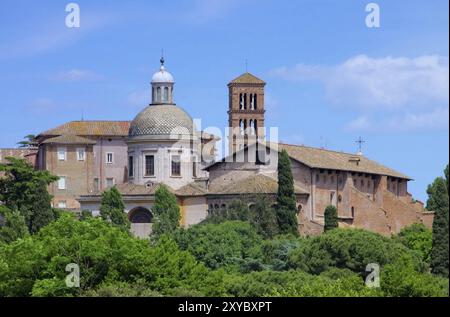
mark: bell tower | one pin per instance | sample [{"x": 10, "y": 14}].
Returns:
[{"x": 246, "y": 111}]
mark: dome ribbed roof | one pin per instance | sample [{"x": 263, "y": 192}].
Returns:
[
  {"x": 162, "y": 120},
  {"x": 163, "y": 76}
]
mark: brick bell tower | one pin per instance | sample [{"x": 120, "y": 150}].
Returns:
[{"x": 246, "y": 111}]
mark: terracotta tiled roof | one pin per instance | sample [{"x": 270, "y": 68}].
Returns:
[
  {"x": 69, "y": 139},
  {"x": 139, "y": 190},
  {"x": 100, "y": 128},
  {"x": 191, "y": 189},
  {"x": 255, "y": 184},
  {"x": 326, "y": 159},
  {"x": 91, "y": 128},
  {"x": 247, "y": 78}
]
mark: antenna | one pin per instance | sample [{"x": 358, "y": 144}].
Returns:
[
  {"x": 360, "y": 143},
  {"x": 82, "y": 114},
  {"x": 246, "y": 65}
]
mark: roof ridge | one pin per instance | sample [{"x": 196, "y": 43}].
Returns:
[
  {"x": 246, "y": 74},
  {"x": 321, "y": 149},
  {"x": 97, "y": 121}
]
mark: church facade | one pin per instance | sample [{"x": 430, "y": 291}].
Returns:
[{"x": 162, "y": 145}]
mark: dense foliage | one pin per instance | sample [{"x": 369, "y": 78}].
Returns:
[
  {"x": 23, "y": 189},
  {"x": 233, "y": 253},
  {"x": 417, "y": 238},
  {"x": 261, "y": 215}
]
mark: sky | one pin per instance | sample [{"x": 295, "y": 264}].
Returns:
[{"x": 330, "y": 78}]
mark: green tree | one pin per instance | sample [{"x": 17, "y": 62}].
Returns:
[
  {"x": 286, "y": 202},
  {"x": 238, "y": 210},
  {"x": 112, "y": 208},
  {"x": 418, "y": 238},
  {"x": 264, "y": 218},
  {"x": 12, "y": 225},
  {"x": 166, "y": 211},
  {"x": 28, "y": 142},
  {"x": 331, "y": 218},
  {"x": 438, "y": 202},
  {"x": 20, "y": 189},
  {"x": 42, "y": 212},
  {"x": 349, "y": 248},
  {"x": 229, "y": 244}
]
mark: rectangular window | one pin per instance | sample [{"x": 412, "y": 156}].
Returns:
[
  {"x": 62, "y": 153},
  {"x": 81, "y": 154},
  {"x": 109, "y": 158},
  {"x": 130, "y": 166},
  {"x": 96, "y": 184},
  {"x": 62, "y": 204},
  {"x": 176, "y": 165},
  {"x": 62, "y": 183},
  {"x": 194, "y": 169},
  {"x": 109, "y": 182},
  {"x": 149, "y": 165}
]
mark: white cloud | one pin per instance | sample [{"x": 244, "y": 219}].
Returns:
[
  {"x": 76, "y": 75},
  {"x": 373, "y": 83},
  {"x": 435, "y": 119},
  {"x": 391, "y": 94}
]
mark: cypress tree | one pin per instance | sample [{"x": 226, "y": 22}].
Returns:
[
  {"x": 438, "y": 202},
  {"x": 166, "y": 212},
  {"x": 41, "y": 209},
  {"x": 286, "y": 202},
  {"x": 112, "y": 208},
  {"x": 331, "y": 218}
]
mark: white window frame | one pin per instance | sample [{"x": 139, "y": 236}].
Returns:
[
  {"x": 112, "y": 157},
  {"x": 131, "y": 169},
  {"x": 113, "y": 182},
  {"x": 81, "y": 150},
  {"x": 62, "y": 182},
  {"x": 171, "y": 160},
  {"x": 62, "y": 204},
  {"x": 145, "y": 165},
  {"x": 62, "y": 153}
]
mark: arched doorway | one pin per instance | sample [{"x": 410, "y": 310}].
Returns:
[
  {"x": 141, "y": 222},
  {"x": 140, "y": 215}
]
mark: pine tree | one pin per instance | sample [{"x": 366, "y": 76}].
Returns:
[
  {"x": 166, "y": 212},
  {"x": 41, "y": 210},
  {"x": 286, "y": 202},
  {"x": 263, "y": 217},
  {"x": 112, "y": 208},
  {"x": 331, "y": 218},
  {"x": 438, "y": 202}
]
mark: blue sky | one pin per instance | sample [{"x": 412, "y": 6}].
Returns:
[{"x": 330, "y": 79}]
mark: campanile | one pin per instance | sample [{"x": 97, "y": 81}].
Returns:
[{"x": 246, "y": 111}]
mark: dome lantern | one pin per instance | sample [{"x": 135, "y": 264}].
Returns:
[{"x": 162, "y": 86}]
